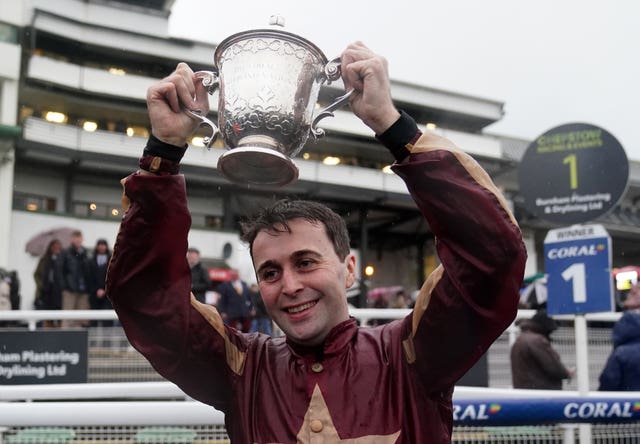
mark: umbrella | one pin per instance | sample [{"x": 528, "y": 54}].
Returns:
[
  {"x": 534, "y": 295},
  {"x": 37, "y": 245},
  {"x": 385, "y": 293}
]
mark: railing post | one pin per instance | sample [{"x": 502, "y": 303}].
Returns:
[
  {"x": 569, "y": 433},
  {"x": 582, "y": 369}
]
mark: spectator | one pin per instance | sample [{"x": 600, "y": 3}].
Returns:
[
  {"x": 200, "y": 281},
  {"x": 47, "y": 279},
  {"x": 622, "y": 370},
  {"x": 399, "y": 300},
  {"x": 75, "y": 276},
  {"x": 535, "y": 364},
  {"x": 380, "y": 302},
  {"x": 234, "y": 304},
  {"x": 99, "y": 263},
  {"x": 9, "y": 294},
  {"x": 261, "y": 321}
]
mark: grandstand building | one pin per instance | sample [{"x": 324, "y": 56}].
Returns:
[{"x": 73, "y": 122}]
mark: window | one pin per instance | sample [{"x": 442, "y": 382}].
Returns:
[
  {"x": 8, "y": 33},
  {"x": 98, "y": 210},
  {"x": 33, "y": 202}
]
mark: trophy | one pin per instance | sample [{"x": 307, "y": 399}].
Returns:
[{"x": 268, "y": 82}]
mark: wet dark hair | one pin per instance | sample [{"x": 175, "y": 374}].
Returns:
[
  {"x": 101, "y": 242},
  {"x": 276, "y": 216}
]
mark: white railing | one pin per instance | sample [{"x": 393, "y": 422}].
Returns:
[
  {"x": 364, "y": 315},
  {"x": 113, "y": 413},
  {"x": 168, "y": 390}
]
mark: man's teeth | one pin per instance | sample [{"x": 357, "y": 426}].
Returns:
[{"x": 300, "y": 308}]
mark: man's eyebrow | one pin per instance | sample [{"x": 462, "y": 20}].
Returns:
[
  {"x": 302, "y": 253},
  {"x": 294, "y": 256},
  {"x": 267, "y": 264}
]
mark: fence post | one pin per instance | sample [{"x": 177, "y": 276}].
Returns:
[
  {"x": 569, "y": 433},
  {"x": 582, "y": 369}
]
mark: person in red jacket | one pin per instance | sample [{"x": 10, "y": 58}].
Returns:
[{"x": 326, "y": 380}]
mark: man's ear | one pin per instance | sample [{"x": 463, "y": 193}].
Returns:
[{"x": 350, "y": 262}]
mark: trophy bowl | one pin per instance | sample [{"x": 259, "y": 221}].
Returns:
[{"x": 268, "y": 81}]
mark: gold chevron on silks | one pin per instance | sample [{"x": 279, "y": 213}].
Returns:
[{"x": 318, "y": 426}]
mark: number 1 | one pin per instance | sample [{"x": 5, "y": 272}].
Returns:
[
  {"x": 576, "y": 273},
  {"x": 572, "y": 160}
]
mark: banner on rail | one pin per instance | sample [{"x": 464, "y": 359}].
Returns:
[
  {"x": 43, "y": 357},
  {"x": 528, "y": 411}
]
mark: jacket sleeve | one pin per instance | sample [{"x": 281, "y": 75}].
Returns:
[
  {"x": 468, "y": 301},
  {"x": 63, "y": 271},
  {"x": 611, "y": 376},
  {"x": 149, "y": 284},
  {"x": 548, "y": 358},
  {"x": 38, "y": 274},
  {"x": 201, "y": 281}
]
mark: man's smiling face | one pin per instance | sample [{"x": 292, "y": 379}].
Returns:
[{"x": 302, "y": 280}]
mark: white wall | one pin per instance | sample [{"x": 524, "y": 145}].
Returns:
[
  {"x": 531, "y": 266},
  {"x": 14, "y": 12}
]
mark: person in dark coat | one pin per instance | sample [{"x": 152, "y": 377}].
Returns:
[
  {"x": 75, "y": 276},
  {"x": 99, "y": 263},
  {"x": 46, "y": 277},
  {"x": 622, "y": 370},
  {"x": 535, "y": 364},
  {"x": 200, "y": 281},
  {"x": 261, "y": 320},
  {"x": 235, "y": 305}
]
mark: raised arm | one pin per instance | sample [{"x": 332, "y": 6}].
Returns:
[
  {"x": 472, "y": 296},
  {"x": 149, "y": 280}
]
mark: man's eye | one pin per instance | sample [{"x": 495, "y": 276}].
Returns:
[
  {"x": 268, "y": 275},
  {"x": 305, "y": 263}
]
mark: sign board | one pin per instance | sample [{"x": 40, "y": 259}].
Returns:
[
  {"x": 221, "y": 274},
  {"x": 43, "y": 357},
  {"x": 536, "y": 411},
  {"x": 578, "y": 267},
  {"x": 573, "y": 174}
]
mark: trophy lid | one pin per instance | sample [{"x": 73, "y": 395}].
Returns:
[{"x": 276, "y": 21}]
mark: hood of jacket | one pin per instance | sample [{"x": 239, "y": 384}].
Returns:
[{"x": 627, "y": 329}]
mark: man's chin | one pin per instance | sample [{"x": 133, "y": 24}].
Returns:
[{"x": 306, "y": 338}]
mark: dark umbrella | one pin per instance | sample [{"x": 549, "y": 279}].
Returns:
[{"x": 37, "y": 245}]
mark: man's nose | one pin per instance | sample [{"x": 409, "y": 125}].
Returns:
[{"x": 291, "y": 283}]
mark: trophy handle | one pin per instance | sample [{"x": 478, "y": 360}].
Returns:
[
  {"x": 333, "y": 70},
  {"x": 211, "y": 81},
  {"x": 328, "y": 112}
]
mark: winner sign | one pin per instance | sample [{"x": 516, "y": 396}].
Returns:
[{"x": 578, "y": 264}]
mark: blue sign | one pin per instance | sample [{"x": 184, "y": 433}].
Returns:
[
  {"x": 536, "y": 411},
  {"x": 578, "y": 266}
]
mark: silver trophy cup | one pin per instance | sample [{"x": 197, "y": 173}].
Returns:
[{"x": 268, "y": 82}]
